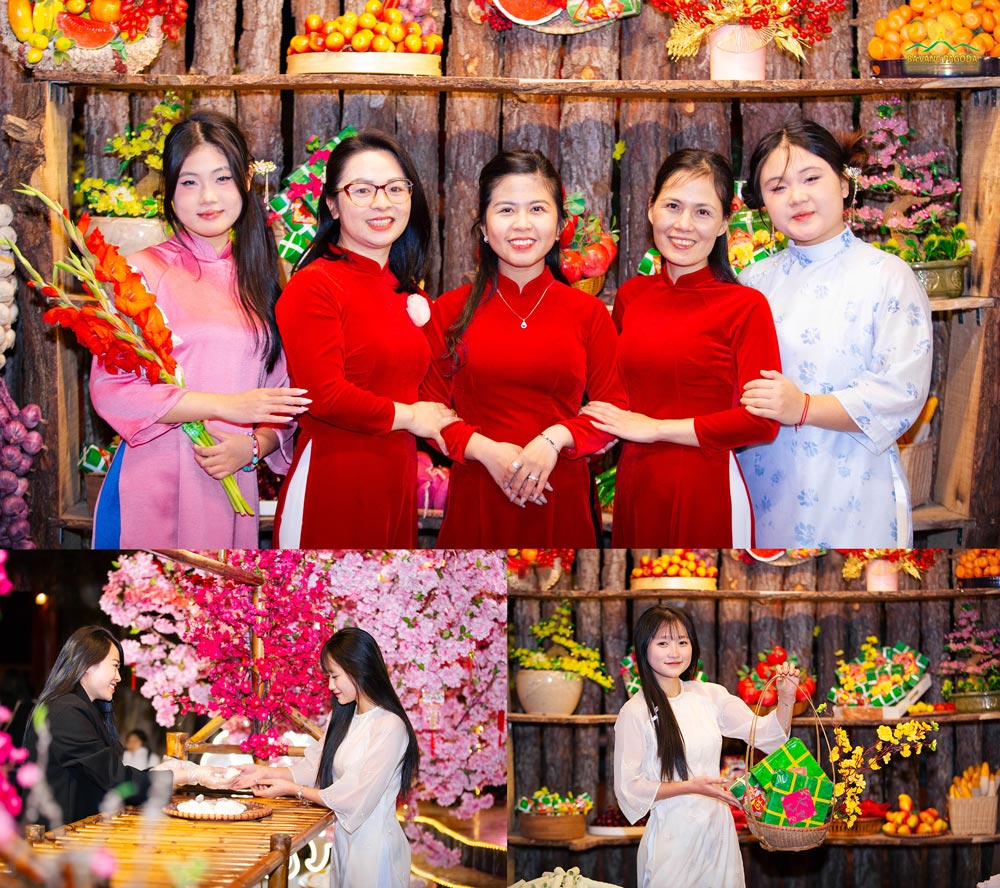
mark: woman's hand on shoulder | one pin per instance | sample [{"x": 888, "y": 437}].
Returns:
[
  {"x": 263, "y": 405},
  {"x": 622, "y": 424},
  {"x": 773, "y": 396},
  {"x": 425, "y": 419}
]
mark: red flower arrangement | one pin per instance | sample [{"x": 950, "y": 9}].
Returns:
[
  {"x": 911, "y": 561},
  {"x": 789, "y": 23},
  {"x": 118, "y": 321}
]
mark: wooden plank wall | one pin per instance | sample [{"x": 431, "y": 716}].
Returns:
[
  {"x": 452, "y": 136},
  {"x": 731, "y": 632}
]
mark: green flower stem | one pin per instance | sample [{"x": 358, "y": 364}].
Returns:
[{"x": 197, "y": 432}]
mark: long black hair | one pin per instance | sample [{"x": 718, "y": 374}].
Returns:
[
  {"x": 254, "y": 252},
  {"x": 86, "y": 647},
  {"x": 809, "y": 136},
  {"x": 408, "y": 254},
  {"x": 693, "y": 163},
  {"x": 359, "y": 656},
  {"x": 506, "y": 163},
  {"x": 669, "y": 740}
]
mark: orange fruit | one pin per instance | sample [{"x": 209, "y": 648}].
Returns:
[
  {"x": 413, "y": 43},
  {"x": 915, "y": 30},
  {"x": 299, "y": 43},
  {"x": 906, "y": 13},
  {"x": 945, "y": 4},
  {"x": 381, "y": 27},
  {"x": 349, "y": 29},
  {"x": 367, "y": 20},
  {"x": 989, "y": 21},
  {"x": 396, "y": 33},
  {"x": 918, "y": 6},
  {"x": 362, "y": 40},
  {"x": 876, "y": 48},
  {"x": 961, "y": 36},
  {"x": 992, "y": 5},
  {"x": 932, "y": 10},
  {"x": 961, "y": 6},
  {"x": 881, "y": 26},
  {"x": 949, "y": 20},
  {"x": 335, "y": 41},
  {"x": 892, "y": 38},
  {"x": 895, "y": 21},
  {"x": 893, "y": 51},
  {"x": 972, "y": 19},
  {"x": 392, "y": 15},
  {"x": 381, "y": 43},
  {"x": 374, "y": 7}
]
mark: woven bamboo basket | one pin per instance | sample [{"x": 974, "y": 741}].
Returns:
[
  {"x": 553, "y": 826},
  {"x": 863, "y": 826},
  {"x": 918, "y": 463},
  {"x": 783, "y": 838},
  {"x": 593, "y": 285},
  {"x": 973, "y": 817}
]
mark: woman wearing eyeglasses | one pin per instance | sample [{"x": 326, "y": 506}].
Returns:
[{"x": 350, "y": 319}]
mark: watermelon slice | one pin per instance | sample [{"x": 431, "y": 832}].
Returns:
[
  {"x": 86, "y": 33},
  {"x": 528, "y": 12},
  {"x": 766, "y": 554}
]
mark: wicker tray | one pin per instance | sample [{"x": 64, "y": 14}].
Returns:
[
  {"x": 863, "y": 826},
  {"x": 939, "y": 66},
  {"x": 365, "y": 63},
  {"x": 254, "y": 811},
  {"x": 678, "y": 583}
]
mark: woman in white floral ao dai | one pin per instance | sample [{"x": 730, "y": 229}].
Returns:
[
  {"x": 854, "y": 329},
  {"x": 367, "y": 758}
]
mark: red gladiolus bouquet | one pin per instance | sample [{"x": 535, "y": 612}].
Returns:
[{"x": 117, "y": 320}]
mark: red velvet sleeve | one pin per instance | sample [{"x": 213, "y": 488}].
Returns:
[
  {"x": 437, "y": 384},
  {"x": 309, "y": 318},
  {"x": 755, "y": 348},
  {"x": 603, "y": 383}
]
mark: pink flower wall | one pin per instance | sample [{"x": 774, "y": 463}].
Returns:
[{"x": 439, "y": 617}]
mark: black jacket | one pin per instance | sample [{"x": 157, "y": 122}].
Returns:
[{"x": 84, "y": 759}]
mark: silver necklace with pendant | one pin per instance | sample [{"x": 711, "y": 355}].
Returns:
[{"x": 524, "y": 319}]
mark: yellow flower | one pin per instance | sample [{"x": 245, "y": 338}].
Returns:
[{"x": 884, "y": 733}]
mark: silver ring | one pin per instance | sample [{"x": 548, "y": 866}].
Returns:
[
  {"x": 515, "y": 465},
  {"x": 532, "y": 477}
]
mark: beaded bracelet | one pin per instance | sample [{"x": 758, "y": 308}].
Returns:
[
  {"x": 805, "y": 412},
  {"x": 255, "y": 459},
  {"x": 552, "y": 443}
]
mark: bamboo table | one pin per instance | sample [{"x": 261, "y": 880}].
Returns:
[{"x": 213, "y": 854}]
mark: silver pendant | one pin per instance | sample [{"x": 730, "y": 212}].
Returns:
[{"x": 524, "y": 325}]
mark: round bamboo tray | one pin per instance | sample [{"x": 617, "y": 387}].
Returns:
[
  {"x": 553, "y": 826},
  {"x": 254, "y": 811},
  {"x": 365, "y": 63},
  {"x": 680, "y": 583}
]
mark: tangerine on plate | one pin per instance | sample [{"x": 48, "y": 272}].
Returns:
[{"x": 876, "y": 48}]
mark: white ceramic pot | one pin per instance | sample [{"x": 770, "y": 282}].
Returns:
[
  {"x": 735, "y": 52},
  {"x": 881, "y": 576},
  {"x": 548, "y": 691},
  {"x": 130, "y": 234}
]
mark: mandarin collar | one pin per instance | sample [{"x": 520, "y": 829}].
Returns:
[
  {"x": 691, "y": 280},
  {"x": 533, "y": 289},
  {"x": 826, "y": 250},
  {"x": 202, "y": 250},
  {"x": 363, "y": 264}
]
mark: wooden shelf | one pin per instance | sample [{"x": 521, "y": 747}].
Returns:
[
  {"x": 587, "y": 842},
  {"x": 942, "y": 718},
  {"x": 935, "y": 517},
  {"x": 755, "y": 595},
  {"x": 963, "y": 303},
  {"x": 664, "y": 89}
]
